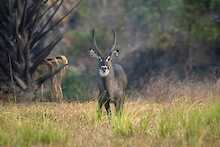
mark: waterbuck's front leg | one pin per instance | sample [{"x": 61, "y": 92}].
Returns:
[
  {"x": 107, "y": 108},
  {"x": 101, "y": 101},
  {"x": 104, "y": 99},
  {"x": 119, "y": 103}
]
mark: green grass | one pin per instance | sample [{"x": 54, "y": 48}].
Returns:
[
  {"x": 27, "y": 127},
  {"x": 122, "y": 125},
  {"x": 142, "y": 124}
]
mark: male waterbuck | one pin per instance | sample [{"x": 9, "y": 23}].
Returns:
[{"x": 112, "y": 80}]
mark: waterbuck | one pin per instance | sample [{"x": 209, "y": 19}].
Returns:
[{"x": 111, "y": 78}]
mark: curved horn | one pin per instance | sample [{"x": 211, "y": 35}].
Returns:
[
  {"x": 95, "y": 42},
  {"x": 114, "y": 42}
]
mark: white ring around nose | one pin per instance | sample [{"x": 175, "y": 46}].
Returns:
[{"x": 105, "y": 72}]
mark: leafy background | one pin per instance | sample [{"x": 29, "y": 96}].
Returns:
[{"x": 173, "y": 37}]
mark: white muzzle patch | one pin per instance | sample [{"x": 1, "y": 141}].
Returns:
[{"x": 103, "y": 73}]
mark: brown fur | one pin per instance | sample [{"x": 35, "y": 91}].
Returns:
[{"x": 53, "y": 86}]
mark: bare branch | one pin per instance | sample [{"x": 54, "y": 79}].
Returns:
[
  {"x": 43, "y": 34},
  {"x": 43, "y": 54}
]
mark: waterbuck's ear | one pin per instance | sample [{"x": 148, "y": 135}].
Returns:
[
  {"x": 116, "y": 52},
  {"x": 92, "y": 53}
]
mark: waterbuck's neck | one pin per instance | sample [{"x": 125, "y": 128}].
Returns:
[{"x": 106, "y": 81}]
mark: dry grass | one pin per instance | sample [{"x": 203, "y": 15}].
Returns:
[
  {"x": 167, "y": 88},
  {"x": 179, "y": 123}
]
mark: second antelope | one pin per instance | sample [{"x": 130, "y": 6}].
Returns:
[
  {"x": 50, "y": 65},
  {"x": 112, "y": 80}
]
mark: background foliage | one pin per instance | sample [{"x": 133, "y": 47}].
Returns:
[{"x": 179, "y": 37}]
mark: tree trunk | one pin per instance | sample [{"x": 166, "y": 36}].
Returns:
[{"x": 24, "y": 24}]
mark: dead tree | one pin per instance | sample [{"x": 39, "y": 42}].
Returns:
[{"x": 24, "y": 25}]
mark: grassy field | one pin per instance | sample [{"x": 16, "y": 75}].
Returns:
[{"x": 179, "y": 123}]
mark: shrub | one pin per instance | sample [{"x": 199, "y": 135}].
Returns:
[{"x": 76, "y": 85}]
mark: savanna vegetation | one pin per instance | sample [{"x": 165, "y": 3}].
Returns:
[
  {"x": 180, "y": 123},
  {"x": 168, "y": 48}
]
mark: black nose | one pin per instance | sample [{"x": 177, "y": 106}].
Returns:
[{"x": 104, "y": 68}]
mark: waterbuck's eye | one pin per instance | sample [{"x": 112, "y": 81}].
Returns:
[
  {"x": 108, "y": 58},
  {"x": 100, "y": 59}
]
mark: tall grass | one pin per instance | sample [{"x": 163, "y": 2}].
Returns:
[
  {"x": 26, "y": 126},
  {"x": 179, "y": 123},
  {"x": 122, "y": 125}
]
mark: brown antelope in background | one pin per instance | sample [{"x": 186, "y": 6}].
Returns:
[
  {"x": 112, "y": 80},
  {"x": 54, "y": 85},
  {"x": 60, "y": 60}
]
